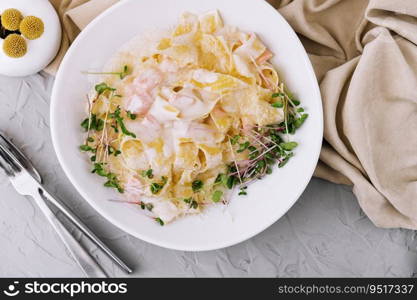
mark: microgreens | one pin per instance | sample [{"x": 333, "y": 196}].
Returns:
[
  {"x": 289, "y": 146},
  {"x": 221, "y": 179},
  {"x": 122, "y": 74},
  {"x": 231, "y": 182},
  {"x": 113, "y": 151},
  {"x": 197, "y": 185},
  {"x": 300, "y": 121},
  {"x": 235, "y": 139},
  {"x": 276, "y": 95},
  {"x": 99, "y": 169},
  {"x": 148, "y": 173},
  {"x": 116, "y": 130},
  {"x": 119, "y": 120},
  {"x": 191, "y": 202},
  {"x": 93, "y": 123},
  {"x": 285, "y": 160},
  {"x": 194, "y": 204},
  {"x": 217, "y": 196},
  {"x": 277, "y": 104},
  {"x": 243, "y": 147},
  {"x": 143, "y": 205},
  {"x": 101, "y": 88},
  {"x": 159, "y": 220},
  {"x": 265, "y": 148},
  {"x": 112, "y": 180},
  {"x": 149, "y": 206},
  {"x": 156, "y": 187},
  {"x": 131, "y": 116},
  {"x": 243, "y": 191},
  {"x": 86, "y": 148},
  {"x": 295, "y": 101}
]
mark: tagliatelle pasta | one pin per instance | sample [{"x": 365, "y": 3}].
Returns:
[{"x": 177, "y": 125}]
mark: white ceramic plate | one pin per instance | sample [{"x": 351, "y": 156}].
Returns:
[{"x": 220, "y": 226}]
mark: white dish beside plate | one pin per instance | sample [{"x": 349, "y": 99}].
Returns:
[
  {"x": 219, "y": 226},
  {"x": 40, "y": 52}
]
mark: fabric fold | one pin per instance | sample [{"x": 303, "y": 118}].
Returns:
[{"x": 74, "y": 15}]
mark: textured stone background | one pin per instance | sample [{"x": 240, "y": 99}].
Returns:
[{"x": 324, "y": 234}]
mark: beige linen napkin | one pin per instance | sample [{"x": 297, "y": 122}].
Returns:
[
  {"x": 74, "y": 15},
  {"x": 365, "y": 57}
]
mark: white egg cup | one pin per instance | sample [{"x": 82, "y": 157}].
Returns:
[{"x": 40, "y": 52}]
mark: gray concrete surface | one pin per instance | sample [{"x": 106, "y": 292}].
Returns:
[{"x": 324, "y": 234}]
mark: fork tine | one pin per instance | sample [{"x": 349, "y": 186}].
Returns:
[
  {"x": 12, "y": 150},
  {"x": 11, "y": 159},
  {"x": 5, "y": 169},
  {"x": 5, "y": 165}
]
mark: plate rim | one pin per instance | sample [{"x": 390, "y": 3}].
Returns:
[{"x": 169, "y": 245}]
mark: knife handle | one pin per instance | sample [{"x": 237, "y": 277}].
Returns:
[
  {"x": 67, "y": 212},
  {"x": 89, "y": 266}
]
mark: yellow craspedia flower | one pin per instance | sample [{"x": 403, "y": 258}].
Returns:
[
  {"x": 11, "y": 18},
  {"x": 31, "y": 27},
  {"x": 15, "y": 46}
]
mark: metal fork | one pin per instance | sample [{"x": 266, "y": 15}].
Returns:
[{"x": 26, "y": 180}]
